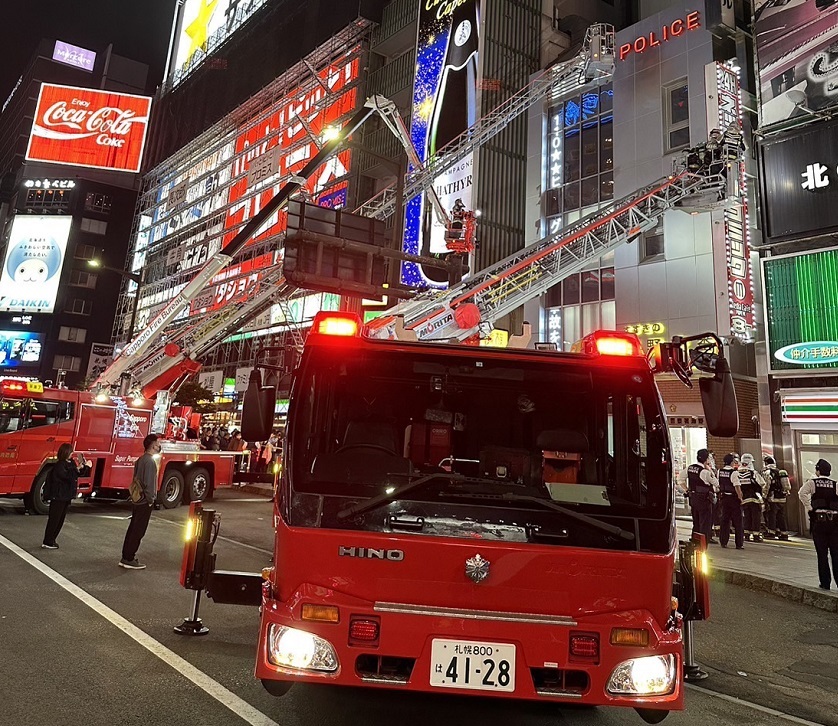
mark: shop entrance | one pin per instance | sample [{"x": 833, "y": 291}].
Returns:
[
  {"x": 686, "y": 442},
  {"x": 811, "y": 446}
]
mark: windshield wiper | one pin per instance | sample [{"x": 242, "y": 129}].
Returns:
[
  {"x": 590, "y": 521},
  {"x": 399, "y": 491}
]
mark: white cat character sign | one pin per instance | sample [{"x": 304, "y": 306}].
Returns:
[{"x": 32, "y": 266}]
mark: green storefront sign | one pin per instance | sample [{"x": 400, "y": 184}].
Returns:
[{"x": 801, "y": 295}]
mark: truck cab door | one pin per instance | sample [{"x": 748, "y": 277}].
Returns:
[
  {"x": 12, "y": 418},
  {"x": 39, "y": 439}
]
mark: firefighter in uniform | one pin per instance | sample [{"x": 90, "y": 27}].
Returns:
[
  {"x": 751, "y": 484},
  {"x": 820, "y": 497},
  {"x": 730, "y": 494},
  {"x": 779, "y": 487},
  {"x": 702, "y": 486}
]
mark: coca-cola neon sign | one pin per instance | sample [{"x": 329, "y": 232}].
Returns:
[{"x": 87, "y": 127}]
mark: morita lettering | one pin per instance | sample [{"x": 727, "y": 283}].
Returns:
[{"x": 653, "y": 39}]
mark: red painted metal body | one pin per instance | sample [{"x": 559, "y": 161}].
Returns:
[
  {"x": 109, "y": 432},
  {"x": 415, "y": 588}
]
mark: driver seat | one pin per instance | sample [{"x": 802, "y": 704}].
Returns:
[{"x": 371, "y": 433}]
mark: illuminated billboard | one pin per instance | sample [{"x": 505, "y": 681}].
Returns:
[
  {"x": 20, "y": 348},
  {"x": 444, "y": 106},
  {"x": 33, "y": 263},
  {"x": 204, "y": 25},
  {"x": 796, "y": 57},
  {"x": 801, "y": 311},
  {"x": 87, "y": 127},
  {"x": 72, "y": 55}
]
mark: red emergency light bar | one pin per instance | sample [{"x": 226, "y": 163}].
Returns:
[
  {"x": 346, "y": 325},
  {"x": 17, "y": 385},
  {"x": 609, "y": 342}
]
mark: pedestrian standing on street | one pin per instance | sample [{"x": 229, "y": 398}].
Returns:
[
  {"x": 820, "y": 497},
  {"x": 61, "y": 488},
  {"x": 752, "y": 485},
  {"x": 145, "y": 471},
  {"x": 730, "y": 493},
  {"x": 702, "y": 485},
  {"x": 778, "y": 488}
]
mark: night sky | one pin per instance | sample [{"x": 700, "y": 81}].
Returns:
[{"x": 138, "y": 29}]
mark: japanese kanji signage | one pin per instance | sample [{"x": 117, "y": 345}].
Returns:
[
  {"x": 724, "y": 113},
  {"x": 33, "y": 264},
  {"x": 86, "y": 127},
  {"x": 800, "y": 182}
]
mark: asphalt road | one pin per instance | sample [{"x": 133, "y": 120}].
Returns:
[{"x": 104, "y": 653}]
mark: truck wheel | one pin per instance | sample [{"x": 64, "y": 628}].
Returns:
[
  {"x": 277, "y": 688},
  {"x": 171, "y": 492},
  {"x": 34, "y": 499},
  {"x": 652, "y": 715},
  {"x": 198, "y": 485}
]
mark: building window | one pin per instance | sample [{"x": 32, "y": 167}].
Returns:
[
  {"x": 72, "y": 335},
  {"x": 78, "y": 278},
  {"x": 94, "y": 226},
  {"x": 70, "y": 363},
  {"x": 651, "y": 244},
  {"x": 95, "y": 202},
  {"x": 52, "y": 199},
  {"x": 676, "y": 110},
  {"x": 85, "y": 252},
  {"x": 78, "y": 306},
  {"x": 580, "y": 164}
]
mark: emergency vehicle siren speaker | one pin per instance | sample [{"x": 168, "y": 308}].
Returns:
[{"x": 258, "y": 409}]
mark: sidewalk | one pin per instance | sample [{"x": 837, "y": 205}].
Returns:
[{"x": 786, "y": 569}]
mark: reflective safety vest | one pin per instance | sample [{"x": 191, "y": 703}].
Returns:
[
  {"x": 725, "y": 482},
  {"x": 826, "y": 494},
  {"x": 696, "y": 484},
  {"x": 750, "y": 487}
]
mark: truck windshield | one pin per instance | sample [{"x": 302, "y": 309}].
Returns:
[{"x": 368, "y": 422}]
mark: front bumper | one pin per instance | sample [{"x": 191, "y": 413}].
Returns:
[{"x": 402, "y": 656}]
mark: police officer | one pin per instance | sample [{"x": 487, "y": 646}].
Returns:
[
  {"x": 820, "y": 497},
  {"x": 730, "y": 494},
  {"x": 751, "y": 484},
  {"x": 779, "y": 486},
  {"x": 702, "y": 486}
]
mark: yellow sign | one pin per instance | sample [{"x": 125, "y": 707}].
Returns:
[
  {"x": 497, "y": 339},
  {"x": 34, "y": 387},
  {"x": 646, "y": 328}
]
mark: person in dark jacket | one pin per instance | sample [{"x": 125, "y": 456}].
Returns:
[{"x": 61, "y": 488}]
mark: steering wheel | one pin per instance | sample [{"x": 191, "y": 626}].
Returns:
[{"x": 377, "y": 447}]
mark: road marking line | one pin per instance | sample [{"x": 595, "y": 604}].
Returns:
[
  {"x": 225, "y": 539},
  {"x": 213, "y": 688},
  {"x": 755, "y": 706}
]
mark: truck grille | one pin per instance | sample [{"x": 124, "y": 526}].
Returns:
[
  {"x": 559, "y": 682},
  {"x": 384, "y": 668}
]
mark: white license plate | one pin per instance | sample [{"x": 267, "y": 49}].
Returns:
[{"x": 474, "y": 665}]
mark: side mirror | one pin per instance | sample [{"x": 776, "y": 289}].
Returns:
[
  {"x": 719, "y": 400},
  {"x": 258, "y": 409}
]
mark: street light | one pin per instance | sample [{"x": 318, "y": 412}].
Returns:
[{"x": 133, "y": 276}]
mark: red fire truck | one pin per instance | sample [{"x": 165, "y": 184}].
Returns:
[
  {"x": 477, "y": 521},
  {"x": 108, "y": 430}
]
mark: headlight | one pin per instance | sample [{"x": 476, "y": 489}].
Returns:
[
  {"x": 648, "y": 676},
  {"x": 298, "y": 649}
]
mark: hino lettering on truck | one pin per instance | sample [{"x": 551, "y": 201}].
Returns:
[{"x": 371, "y": 553}]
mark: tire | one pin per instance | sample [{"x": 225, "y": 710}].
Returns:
[
  {"x": 277, "y": 688},
  {"x": 34, "y": 499},
  {"x": 198, "y": 485},
  {"x": 171, "y": 490}
]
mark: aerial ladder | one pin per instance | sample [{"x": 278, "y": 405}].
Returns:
[
  {"x": 470, "y": 309},
  {"x": 158, "y": 358},
  {"x": 593, "y": 65}
]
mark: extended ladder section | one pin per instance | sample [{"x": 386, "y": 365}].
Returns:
[
  {"x": 593, "y": 64},
  {"x": 183, "y": 349},
  {"x": 472, "y": 307}
]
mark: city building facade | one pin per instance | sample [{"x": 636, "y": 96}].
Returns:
[{"x": 67, "y": 199}]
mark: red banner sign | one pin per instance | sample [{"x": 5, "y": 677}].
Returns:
[
  {"x": 282, "y": 144},
  {"x": 86, "y": 127},
  {"x": 232, "y": 283}
]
